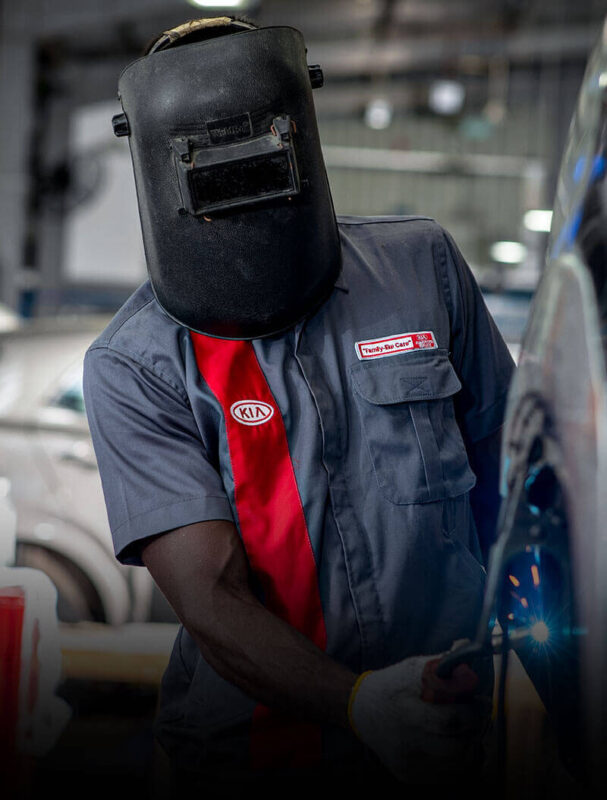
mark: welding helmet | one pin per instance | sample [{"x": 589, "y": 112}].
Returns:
[{"x": 238, "y": 224}]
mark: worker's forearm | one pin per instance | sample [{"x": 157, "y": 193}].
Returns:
[
  {"x": 202, "y": 570},
  {"x": 270, "y": 660}
]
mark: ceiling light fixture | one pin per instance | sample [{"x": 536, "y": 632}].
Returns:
[
  {"x": 218, "y": 3},
  {"x": 378, "y": 113},
  {"x": 446, "y": 97},
  {"x": 508, "y": 252},
  {"x": 538, "y": 219}
]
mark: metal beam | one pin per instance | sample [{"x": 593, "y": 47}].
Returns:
[
  {"x": 425, "y": 161},
  {"x": 367, "y": 57}
]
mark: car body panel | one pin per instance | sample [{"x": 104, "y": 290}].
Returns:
[{"x": 554, "y": 452}]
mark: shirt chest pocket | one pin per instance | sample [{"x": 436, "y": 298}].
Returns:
[{"x": 408, "y": 420}]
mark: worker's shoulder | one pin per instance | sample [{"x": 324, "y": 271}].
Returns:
[
  {"x": 353, "y": 219},
  {"x": 405, "y": 222},
  {"x": 139, "y": 314},
  {"x": 143, "y": 333},
  {"x": 410, "y": 228}
]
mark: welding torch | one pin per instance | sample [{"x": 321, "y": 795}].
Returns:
[{"x": 443, "y": 682}]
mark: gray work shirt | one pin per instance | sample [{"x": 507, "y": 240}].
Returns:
[{"x": 383, "y": 390}]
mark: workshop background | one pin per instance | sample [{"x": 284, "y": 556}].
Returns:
[{"x": 454, "y": 109}]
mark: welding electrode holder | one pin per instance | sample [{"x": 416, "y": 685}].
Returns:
[
  {"x": 442, "y": 684},
  {"x": 463, "y": 652},
  {"x": 472, "y": 653}
]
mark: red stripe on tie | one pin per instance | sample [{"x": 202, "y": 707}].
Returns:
[{"x": 272, "y": 524}]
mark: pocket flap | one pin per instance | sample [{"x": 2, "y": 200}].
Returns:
[{"x": 400, "y": 379}]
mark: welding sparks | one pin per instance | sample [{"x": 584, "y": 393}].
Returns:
[
  {"x": 540, "y": 632},
  {"x": 514, "y": 581},
  {"x": 535, "y": 574}
]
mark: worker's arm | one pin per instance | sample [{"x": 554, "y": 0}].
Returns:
[{"x": 203, "y": 572}]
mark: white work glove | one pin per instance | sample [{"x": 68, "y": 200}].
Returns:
[{"x": 421, "y": 742}]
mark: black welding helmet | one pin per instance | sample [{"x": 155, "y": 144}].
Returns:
[{"x": 238, "y": 223}]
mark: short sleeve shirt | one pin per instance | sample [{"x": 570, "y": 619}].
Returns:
[{"x": 382, "y": 391}]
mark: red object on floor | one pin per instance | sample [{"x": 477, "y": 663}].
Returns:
[{"x": 12, "y": 609}]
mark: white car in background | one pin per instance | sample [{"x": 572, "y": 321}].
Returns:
[
  {"x": 8, "y": 525},
  {"x": 47, "y": 458}
]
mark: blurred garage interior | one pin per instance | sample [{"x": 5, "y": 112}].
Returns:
[{"x": 454, "y": 109}]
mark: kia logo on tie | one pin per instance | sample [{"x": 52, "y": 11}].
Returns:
[{"x": 251, "y": 412}]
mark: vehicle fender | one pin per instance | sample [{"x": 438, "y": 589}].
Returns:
[{"x": 107, "y": 575}]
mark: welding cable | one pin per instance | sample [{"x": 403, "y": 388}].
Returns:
[{"x": 501, "y": 725}]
